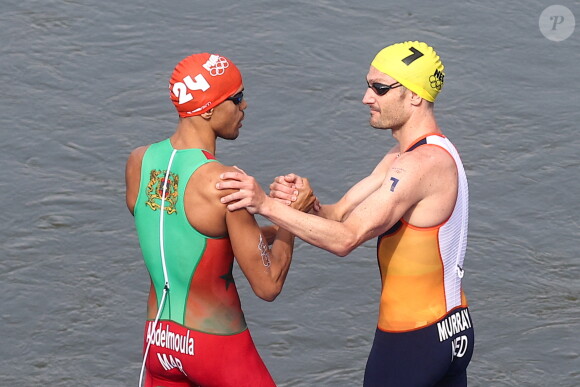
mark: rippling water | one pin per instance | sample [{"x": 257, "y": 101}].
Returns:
[{"x": 84, "y": 82}]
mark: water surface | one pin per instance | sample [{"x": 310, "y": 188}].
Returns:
[{"x": 85, "y": 82}]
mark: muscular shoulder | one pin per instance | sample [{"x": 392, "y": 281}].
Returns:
[
  {"x": 205, "y": 179},
  {"x": 383, "y": 166},
  {"x": 139, "y": 152},
  {"x": 133, "y": 175},
  {"x": 429, "y": 175},
  {"x": 203, "y": 207},
  {"x": 136, "y": 156},
  {"x": 426, "y": 159},
  {"x": 208, "y": 176},
  {"x": 421, "y": 172}
]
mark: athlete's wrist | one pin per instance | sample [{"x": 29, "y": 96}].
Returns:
[{"x": 265, "y": 208}]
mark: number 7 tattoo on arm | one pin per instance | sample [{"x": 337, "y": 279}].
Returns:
[{"x": 395, "y": 181}]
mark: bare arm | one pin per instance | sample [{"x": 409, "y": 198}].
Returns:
[
  {"x": 133, "y": 176},
  {"x": 269, "y": 233},
  {"x": 265, "y": 268},
  {"x": 353, "y": 197},
  {"x": 398, "y": 192},
  {"x": 283, "y": 188},
  {"x": 370, "y": 218}
]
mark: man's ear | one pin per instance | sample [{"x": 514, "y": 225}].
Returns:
[
  {"x": 208, "y": 114},
  {"x": 415, "y": 99}
]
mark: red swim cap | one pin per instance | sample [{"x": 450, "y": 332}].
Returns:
[{"x": 201, "y": 82}]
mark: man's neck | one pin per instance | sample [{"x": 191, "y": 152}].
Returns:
[
  {"x": 415, "y": 128},
  {"x": 192, "y": 133}
]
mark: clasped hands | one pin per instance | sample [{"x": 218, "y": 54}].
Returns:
[{"x": 291, "y": 190}]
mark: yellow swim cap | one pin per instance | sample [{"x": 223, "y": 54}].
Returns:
[{"x": 413, "y": 64}]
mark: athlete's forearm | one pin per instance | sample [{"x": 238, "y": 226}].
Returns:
[
  {"x": 329, "y": 211},
  {"x": 282, "y": 251},
  {"x": 269, "y": 233},
  {"x": 267, "y": 270},
  {"x": 327, "y": 234}
]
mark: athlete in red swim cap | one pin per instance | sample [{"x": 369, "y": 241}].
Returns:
[
  {"x": 195, "y": 332},
  {"x": 200, "y": 82}
]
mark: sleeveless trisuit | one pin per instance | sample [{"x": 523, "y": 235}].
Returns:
[
  {"x": 200, "y": 337},
  {"x": 424, "y": 334}
]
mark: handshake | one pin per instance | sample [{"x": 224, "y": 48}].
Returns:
[{"x": 290, "y": 190}]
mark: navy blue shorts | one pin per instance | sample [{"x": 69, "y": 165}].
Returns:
[{"x": 436, "y": 355}]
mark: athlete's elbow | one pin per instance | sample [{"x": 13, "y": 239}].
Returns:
[
  {"x": 268, "y": 293},
  {"x": 342, "y": 251},
  {"x": 344, "y": 247},
  {"x": 347, "y": 242},
  {"x": 269, "y": 297}
]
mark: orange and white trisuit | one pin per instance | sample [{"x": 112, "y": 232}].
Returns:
[{"x": 424, "y": 331}]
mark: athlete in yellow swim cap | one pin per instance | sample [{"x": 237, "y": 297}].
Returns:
[
  {"x": 415, "y": 65},
  {"x": 415, "y": 202}
]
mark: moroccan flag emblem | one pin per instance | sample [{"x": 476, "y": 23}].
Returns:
[{"x": 157, "y": 184}]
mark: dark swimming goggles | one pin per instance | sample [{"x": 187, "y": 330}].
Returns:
[
  {"x": 236, "y": 98},
  {"x": 382, "y": 89}
]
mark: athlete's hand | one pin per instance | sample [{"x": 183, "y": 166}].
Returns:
[
  {"x": 250, "y": 195},
  {"x": 305, "y": 199},
  {"x": 286, "y": 189},
  {"x": 283, "y": 189}
]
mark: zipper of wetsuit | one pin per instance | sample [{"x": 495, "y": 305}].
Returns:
[{"x": 162, "y": 250}]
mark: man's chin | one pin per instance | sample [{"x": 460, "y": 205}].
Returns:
[
  {"x": 231, "y": 137},
  {"x": 377, "y": 125}
]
